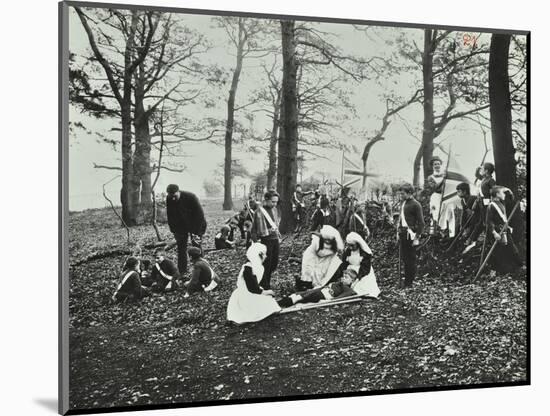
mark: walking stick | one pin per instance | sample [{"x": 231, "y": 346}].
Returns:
[{"x": 504, "y": 228}]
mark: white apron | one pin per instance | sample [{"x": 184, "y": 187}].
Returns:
[
  {"x": 315, "y": 269},
  {"x": 245, "y": 306},
  {"x": 367, "y": 285}
]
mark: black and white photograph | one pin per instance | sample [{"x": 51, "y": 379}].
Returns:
[{"x": 267, "y": 208}]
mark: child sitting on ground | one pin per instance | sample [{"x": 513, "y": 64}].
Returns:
[
  {"x": 203, "y": 278},
  {"x": 129, "y": 287},
  {"x": 224, "y": 239},
  {"x": 164, "y": 274},
  {"x": 335, "y": 290}
]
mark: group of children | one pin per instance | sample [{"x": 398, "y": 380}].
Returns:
[
  {"x": 487, "y": 213},
  {"x": 242, "y": 221},
  {"x": 352, "y": 275},
  {"x": 139, "y": 278},
  {"x": 253, "y": 299}
]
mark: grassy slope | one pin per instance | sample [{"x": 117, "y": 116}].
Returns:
[{"x": 170, "y": 349}]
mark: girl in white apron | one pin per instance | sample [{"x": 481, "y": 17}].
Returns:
[{"x": 249, "y": 302}]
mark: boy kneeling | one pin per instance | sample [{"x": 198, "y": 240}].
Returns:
[
  {"x": 335, "y": 290},
  {"x": 203, "y": 278}
]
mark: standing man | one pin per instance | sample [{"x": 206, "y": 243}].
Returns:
[
  {"x": 411, "y": 225},
  {"x": 185, "y": 218},
  {"x": 265, "y": 229}
]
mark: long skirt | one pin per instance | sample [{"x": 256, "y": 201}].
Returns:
[
  {"x": 367, "y": 285},
  {"x": 244, "y": 306}
]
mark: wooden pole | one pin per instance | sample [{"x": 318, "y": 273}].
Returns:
[
  {"x": 304, "y": 307},
  {"x": 504, "y": 228},
  {"x": 462, "y": 228},
  {"x": 342, "y": 171}
]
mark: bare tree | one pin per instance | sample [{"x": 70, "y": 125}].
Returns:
[
  {"x": 241, "y": 32},
  {"x": 445, "y": 65},
  {"x": 120, "y": 82}
]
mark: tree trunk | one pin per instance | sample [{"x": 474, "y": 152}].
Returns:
[
  {"x": 272, "y": 168},
  {"x": 365, "y": 158},
  {"x": 501, "y": 125},
  {"x": 501, "y": 113},
  {"x": 228, "y": 161},
  {"x": 142, "y": 152},
  {"x": 127, "y": 200},
  {"x": 288, "y": 135},
  {"x": 416, "y": 167},
  {"x": 428, "y": 126}
]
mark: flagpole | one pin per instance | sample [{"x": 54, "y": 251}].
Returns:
[{"x": 342, "y": 171}]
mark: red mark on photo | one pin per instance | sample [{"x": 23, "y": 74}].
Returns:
[{"x": 469, "y": 39}]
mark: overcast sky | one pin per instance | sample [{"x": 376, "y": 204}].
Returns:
[{"x": 392, "y": 159}]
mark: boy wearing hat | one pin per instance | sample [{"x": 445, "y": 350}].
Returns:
[{"x": 322, "y": 216}]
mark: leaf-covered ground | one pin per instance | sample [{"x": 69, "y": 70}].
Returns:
[{"x": 443, "y": 331}]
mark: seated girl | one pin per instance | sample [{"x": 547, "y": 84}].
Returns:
[
  {"x": 249, "y": 302},
  {"x": 320, "y": 261},
  {"x": 334, "y": 290},
  {"x": 224, "y": 239},
  {"x": 203, "y": 278},
  {"x": 129, "y": 287},
  {"x": 358, "y": 256}
]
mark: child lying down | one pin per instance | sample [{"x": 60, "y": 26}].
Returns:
[{"x": 335, "y": 290}]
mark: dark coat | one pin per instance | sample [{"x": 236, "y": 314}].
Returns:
[
  {"x": 130, "y": 288},
  {"x": 486, "y": 185},
  {"x": 470, "y": 208},
  {"x": 169, "y": 269},
  {"x": 201, "y": 277},
  {"x": 185, "y": 215},
  {"x": 414, "y": 215}
]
